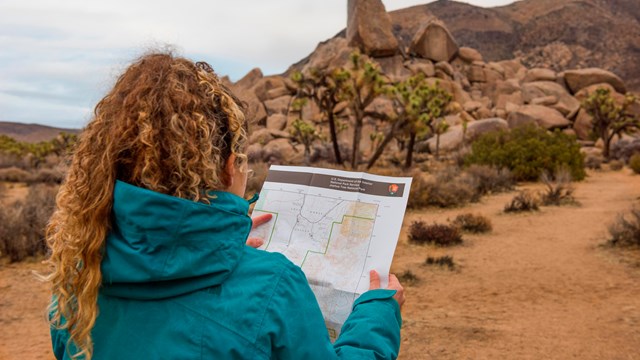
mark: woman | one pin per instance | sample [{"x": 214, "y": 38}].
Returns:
[{"x": 148, "y": 239}]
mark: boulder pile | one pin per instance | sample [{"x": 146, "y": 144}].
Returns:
[{"x": 487, "y": 95}]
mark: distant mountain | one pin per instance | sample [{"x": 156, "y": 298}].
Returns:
[
  {"x": 555, "y": 34},
  {"x": 31, "y": 132}
]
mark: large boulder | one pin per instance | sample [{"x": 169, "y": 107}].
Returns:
[
  {"x": 583, "y": 125},
  {"x": 539, "y": 74},
  {"x": 278, "y": 106},
  {"x": 424, "y": 66},
  {"x": 264, "y": 85},
  {"x": 369, "y": 28},
  {"x": 277, "y": 122},
  {"x": 249, "y": 80},
  {"x": 540, "y": 115},
  {"x": 282, "y": 151},
  {"x": 434, "y": 42},
  {"x": 564, "y": 102},
  {"x": 393, "y": 67},
  {"x": 469, "y": 55},
  {"x": 581, "y": 78},
  {"x": 331, "y": 53},
  {"x": 456, "y": 136}
]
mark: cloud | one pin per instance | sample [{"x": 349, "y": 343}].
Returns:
[{"x": 59, "y": 57}]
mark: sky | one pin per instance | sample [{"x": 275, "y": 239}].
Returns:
[{"x": 59, "y": 58}]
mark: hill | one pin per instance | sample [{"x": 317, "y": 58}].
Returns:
[
  {"x": 31, "y": 132},
  {"x": 555, "y": 34}
]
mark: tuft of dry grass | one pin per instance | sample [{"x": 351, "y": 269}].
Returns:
[
  {"x": 407, "y": 277},
  {"x": 476, "y": 224},
  {"x": 625, "y": 231},
  {"x": 442, "y": 261},
  {"x": 558, "y": 188},
  {"x": 524, "y": 201}
]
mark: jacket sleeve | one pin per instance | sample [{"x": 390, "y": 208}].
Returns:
[
  {"x": 295, "y": 328},
  {"x": 58, "y": 342}
]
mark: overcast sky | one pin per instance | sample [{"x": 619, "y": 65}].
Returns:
[{"x": 58, "y": 58}]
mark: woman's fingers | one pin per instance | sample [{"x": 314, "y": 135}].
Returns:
[
  {"x": 374, "y": 280},
  {"x": 255, "y": 242},
  {"x": 394, "y": 284},
  {"x": 261, "y": 219}
]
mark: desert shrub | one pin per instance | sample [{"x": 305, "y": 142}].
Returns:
[
  {"x": 472, "y": 223},
  {"x": 14, "y": 174},
  {"x": 616, "y": 165},
  {"x": 419, "y": 193},
  {"x": 407, "y": 277},
  {"x": 593, "y": 162},
  {"x": 634, "y": 163},
  {"x": 22, "y": 233},
  {"x": 47, "y": 176},
  {"x": 558, "y": 188},
  {"x": 441, "y": 261},
  {"x": 527, "y": 151},
  {"x": 436, "y": 234},
  {"x": 524, "y": 201},
  {"x": 625, "y": 231},
  {"x": 490, "y": 179},
  {"x": 447, "y": 194}
]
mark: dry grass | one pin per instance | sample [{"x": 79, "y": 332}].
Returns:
[
  {"x": 476, "y": 224},
  {"x": 23, "y": 224}
]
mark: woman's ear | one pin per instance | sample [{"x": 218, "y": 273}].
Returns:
[{"x": 229, "y": 170}]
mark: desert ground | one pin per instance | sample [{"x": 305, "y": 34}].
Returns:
[{"x": 540, "y": 286}]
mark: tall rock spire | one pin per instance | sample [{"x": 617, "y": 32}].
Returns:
[{"x": 369, "y": 28}]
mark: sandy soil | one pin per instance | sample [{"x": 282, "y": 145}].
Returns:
[{"x": 540, "y": 286}]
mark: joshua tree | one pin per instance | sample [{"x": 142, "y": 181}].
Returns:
[
  {"x": 418, "y": 105},
  {"x": 304, "y": 133},
  {"x": 365, "y": 83},
  {"x": 610, "y": 118},
  {"x": 325, "y": 88}
]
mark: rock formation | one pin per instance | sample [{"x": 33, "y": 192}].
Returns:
[
  {"x": 487, "y": 95},
  {"x": 369, "y": 28}
]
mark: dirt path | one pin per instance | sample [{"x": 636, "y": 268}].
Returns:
[
  {"x": 539, "y": 286},
  {"x": 23, "y": 302}
]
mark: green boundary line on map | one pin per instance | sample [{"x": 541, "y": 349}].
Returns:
[{"x": 330, "y": 233}]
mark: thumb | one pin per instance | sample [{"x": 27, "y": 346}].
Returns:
[{"x": 374, "y": 280}]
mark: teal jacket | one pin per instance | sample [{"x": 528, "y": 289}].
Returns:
[{"x": 180, "y": 283}]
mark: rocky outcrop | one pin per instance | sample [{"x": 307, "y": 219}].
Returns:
[
  {"x": 554, "y": 34},
  {"x": 484, "y": 93},
  {"x": 581, "y": 78},
  {"x": 434, "y": 42},
  {"x": 539, "y": 115},
  {"x": 369, "y": 28}
]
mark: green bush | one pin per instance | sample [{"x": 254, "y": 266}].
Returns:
[
  {"x": 528, "y": 151},
  {"x": 634, "y": 163}
]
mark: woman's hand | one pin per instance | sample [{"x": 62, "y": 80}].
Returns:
[
  {"x": 257, "y": 221},
  {"x": 394, "y": 284}
]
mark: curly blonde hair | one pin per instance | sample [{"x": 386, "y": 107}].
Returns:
[{"x": 168, "y": 125}]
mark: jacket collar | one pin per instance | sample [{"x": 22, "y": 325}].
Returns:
[{"x": 162, "y": 246}]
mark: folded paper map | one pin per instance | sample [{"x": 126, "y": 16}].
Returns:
[{"x": 337, "y": 226}]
